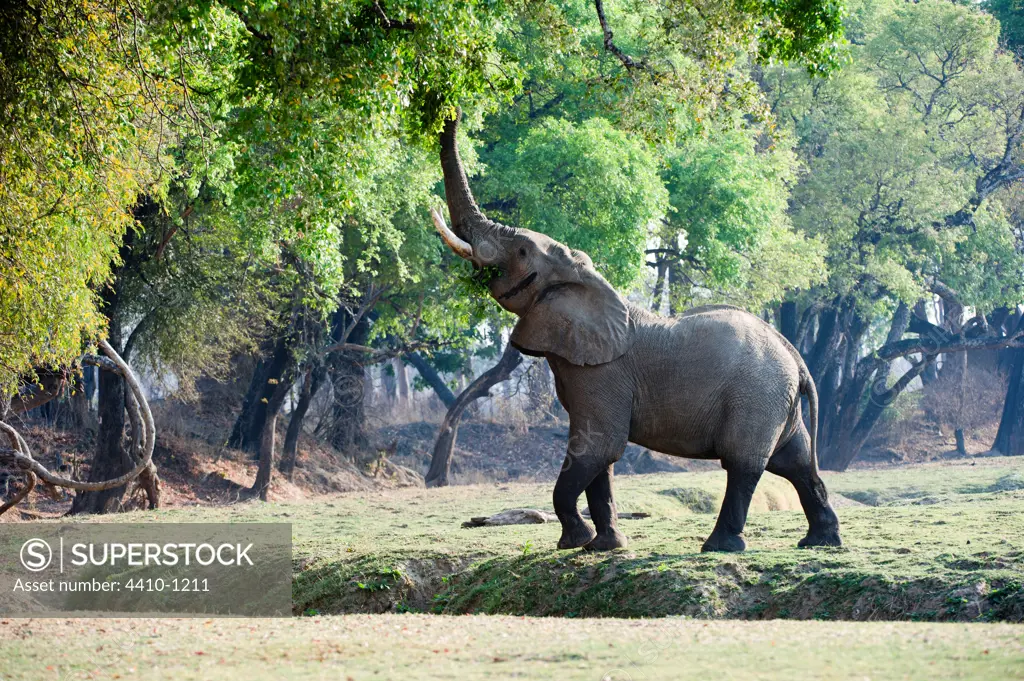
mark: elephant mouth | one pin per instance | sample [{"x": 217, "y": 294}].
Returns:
[{"x": 518, "y": 288}]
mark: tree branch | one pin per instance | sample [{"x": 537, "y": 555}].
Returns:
[
  {"x": 265, "y": 37},
  {"x": 50, "y": 386},
  {"x": 935, "y": 346},
  {"x": 610, "y": 46},
  {"x": 392, "y": 25},
  {"x": 444, "y": 446},
  {"x": 21, "y": 459}
]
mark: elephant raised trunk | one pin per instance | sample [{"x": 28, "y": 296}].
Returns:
[
  {"x": 714, "y": 383},
  {"x": 469, "y": 224}
]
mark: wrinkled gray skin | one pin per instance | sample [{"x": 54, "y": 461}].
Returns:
[{"x": 714, "y": 383}]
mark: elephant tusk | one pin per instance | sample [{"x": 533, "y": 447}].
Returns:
[{"x": 461, "y": 248}]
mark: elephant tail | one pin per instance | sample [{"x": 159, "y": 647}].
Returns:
[{"x": 807, "y": 388}]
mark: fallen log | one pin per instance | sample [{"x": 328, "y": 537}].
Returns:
[{"x": 533, "y": 516}]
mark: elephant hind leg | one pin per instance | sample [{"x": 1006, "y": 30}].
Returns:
[
  {"x": 739, "y": 488},
  {"x": 794, "y": 462}
]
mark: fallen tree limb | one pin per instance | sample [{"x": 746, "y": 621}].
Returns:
[{"x": 533, "y": 516}]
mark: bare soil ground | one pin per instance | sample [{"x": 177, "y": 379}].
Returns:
[
  {"x": 486, "y": 451},
  {"x": 359, "y": 647}
]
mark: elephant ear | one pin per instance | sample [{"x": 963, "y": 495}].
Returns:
[{"x": 584, "y": 322}]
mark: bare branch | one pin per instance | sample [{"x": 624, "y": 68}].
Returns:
[{"x": 444, "y": 446}]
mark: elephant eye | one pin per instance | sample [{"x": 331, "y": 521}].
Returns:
[{"x": 522, "y": 252}]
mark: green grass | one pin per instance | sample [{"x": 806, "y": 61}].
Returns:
[
  {"x": 938, "y": 542},
  {"x": 938, "y": 546},
  {"x": 416, "y": 647}
]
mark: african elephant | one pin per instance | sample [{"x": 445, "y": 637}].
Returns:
[{"x": 714, "y": 383}]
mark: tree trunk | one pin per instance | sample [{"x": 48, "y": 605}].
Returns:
[
  {"x": 247, "y": 433},
  {"x": 348, "y": 429},
  {"x": 261, "y": 486},
  {"x": 402, "y": 380},
  {"x": 825, "y": 342},
  {"x": 268, "y": 438},
  {"x": 1010, "y": 437},
  {"x": 110, "y": 460},
  {"x": 847, "y": 441},
  {"x": 348, "y": 410},
  {"x": 387, "y": 379},
  {"x": 79, "y": 416},
  {"x": 845, "y": 451},
  {"x": 310, "y": 385},
  {"x": 788, "y": 321},
  {"x": 369, "y": 396},
  {"x": 956, "y": 370},
  {"x": 432, "y": 378},
  {"x": 252, "y": 395},
  {"x": 672, "y": 280},
  {"x": 444, "y": 447},
  {"x": 930, "y": 373},
  {"x": 89, "y": 380},
  {"x": 1012, "y": 322}
]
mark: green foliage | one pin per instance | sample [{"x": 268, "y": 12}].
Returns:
[
  {"x": 588, "y": 185},
  {"x": 729, "y": 200},
  {"x": 1010, "y": 14},
  {"x": 288, "y": 151},
  {"x": 897, "y": 143},
  {"x": 80, "y": 144}
]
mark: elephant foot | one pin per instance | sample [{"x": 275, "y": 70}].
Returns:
[
  {"x": 828, "y": 537},
  {"x": 720, "y": 541},
  {"x": 606, "y": 541},
  {"x": 579, "y": 535}
]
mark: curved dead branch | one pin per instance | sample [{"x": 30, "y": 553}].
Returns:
[
  {"x": 17, "y": 442},
  {"x": 20, "y": 458},
  {"x": 444, "y": 446}
]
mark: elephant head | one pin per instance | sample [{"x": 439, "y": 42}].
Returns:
[{"x": 566, "y": 308}]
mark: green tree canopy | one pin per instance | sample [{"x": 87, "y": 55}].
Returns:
[
  {"x": 903, "y": 147},
  {"x": 590, "y": 186}
]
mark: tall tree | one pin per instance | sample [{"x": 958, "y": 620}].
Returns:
[{"x": 904, "y": 151}]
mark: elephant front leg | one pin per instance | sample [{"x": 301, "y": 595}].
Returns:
[
  {"x": 602, "y": 510},
  {"x": 590, "y": 455}
]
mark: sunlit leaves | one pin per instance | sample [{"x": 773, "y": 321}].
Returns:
[
  {"x": 897, "y": 142},
  {"x": 729, "y": 201},
  {"x": 86, "y": 130},
  {"x": 589, "y": 186}
]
